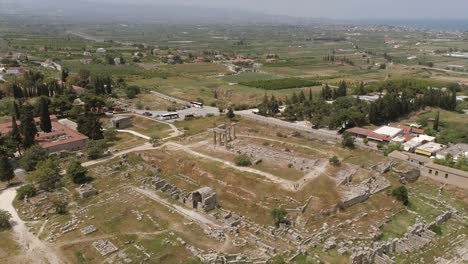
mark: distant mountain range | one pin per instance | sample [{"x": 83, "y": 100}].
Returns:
[{"x": 85, "y": 11}]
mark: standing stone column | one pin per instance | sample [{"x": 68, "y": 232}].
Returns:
[
  {"x": 228, "y": 133},
  {"x": 234, "y": 131}
]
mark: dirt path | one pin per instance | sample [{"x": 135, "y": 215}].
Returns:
[
  {"x": 146, "y": 146},
  {"x": 32, "y": 247},
  {"x": 288, "y": 143},
  {"x": 285, "y": 184}
]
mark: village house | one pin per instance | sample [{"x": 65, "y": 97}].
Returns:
[{"x": 429, "y": 149}]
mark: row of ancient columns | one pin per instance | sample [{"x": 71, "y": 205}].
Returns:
[{"x": 224, "y": 135}]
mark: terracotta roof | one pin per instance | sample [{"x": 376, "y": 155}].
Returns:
[
  {"x": 359, "y": 131},
  {"x": 373, "y": 135},
  {"x": 411, "y": 130},
  {"x": 60, "y": 134}
]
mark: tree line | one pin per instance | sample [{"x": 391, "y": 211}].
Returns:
[{"x": 279, "y": 84}]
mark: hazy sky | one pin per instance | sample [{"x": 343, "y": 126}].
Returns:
[{"x": 340, "y": 9}]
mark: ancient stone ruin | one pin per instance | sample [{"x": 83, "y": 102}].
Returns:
[
  {"x": 104, "y": 247},
  {"x": 418, "y": 236},
  {"x": 353, "y": 194},
  {"x": 224, "y": 134},
  {"x": 203, "y": 199},
  {"x": 86, "y": 190}
]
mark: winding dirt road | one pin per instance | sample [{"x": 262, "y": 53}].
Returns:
[{"x": 33, "y": 249}]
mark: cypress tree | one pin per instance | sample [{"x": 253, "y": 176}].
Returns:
[
  {"x": 436, "y": 122},
  {"x": 15, "y": 110},
  {"x": 28, "y": 126},
  {"x": 15, "y": 134},
  {"x": 6, "y": 170},
  {"x": 45, "y": 123}
]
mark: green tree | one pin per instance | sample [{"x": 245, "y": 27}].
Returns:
[
  {"x": 27, "y": 190},
  {"x": 230, "y": 114},
  {"x": 132, "y": 91},
  {"x": 436, "y": 122},
  {"x": 90, "y": 125},
  {"x": 348, "y": 140},
  {"x": 46, "y": 176},
  {"x": 5, "y": 217},
  {"x": 15, "y": 135},
  {"x": 28, "y": 126},
  {"x": 95, "y": 149},
  {"x": 76, "y": 172},
  {"x": 243, "y": 160},
  {"x": 154, "y": 140},
  {"x": 279, "y": 216},
  {"x": 45, "y": 123},
  {"x": 334, "y": 161},
  {"x": 401, "y": 194},
  {"x": 60, "y": 206},
  {"x": 32, "y": 156},
  {"x": 6, "y": 170},
  {"x": 110, "y": 134}
]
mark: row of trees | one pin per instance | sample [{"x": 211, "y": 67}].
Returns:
[
  {"x": 279, "y": 84},
  {"x": 393, "y": 105},
  {"x": 342, "y": 60},
  {"x": 328, "y": 93}
]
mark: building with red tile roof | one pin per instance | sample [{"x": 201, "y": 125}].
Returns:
[
  {"x": 359, "y": 131},
  {"x": 408, "y": 130},
  {"x": 61, "y": 138}
]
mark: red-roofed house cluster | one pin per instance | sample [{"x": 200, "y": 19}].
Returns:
[
  {"x": 61, "y": 138},
  {"x": 412, "y": 139}
]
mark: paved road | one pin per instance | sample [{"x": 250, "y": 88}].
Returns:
[{"x": 321, "y": 133}]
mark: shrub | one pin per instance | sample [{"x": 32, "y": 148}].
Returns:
[
  {"x": 76, "y": 172},
  {"x": 32, "y": 156},
  {"x": 4, "y": 220},
  {"x": 26, "y": 190},
  {"x": 335, "y": 161},
  {"x": 436, "y": 229},
  {"x": 401, "y": 194},
  {"x": 348, "y": 140},
  {"x": 279, "y": 134},
  {"x": 95, "y": 149},
  {"x": 230, "y": 114},
  {"x": 279, "y": 216},
  {"x": 278, "y": 84},
  {"x": 132, "y": 91},
  {"x": 243, "y": 160},
  {"x": 60, "y": 206}
]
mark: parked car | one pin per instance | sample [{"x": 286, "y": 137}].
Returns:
[{"x": 147, "y": 114}]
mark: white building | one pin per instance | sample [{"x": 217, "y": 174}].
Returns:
[
  {"x": 412, "y": 144},
  {"x": 388, "y": 131}
]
